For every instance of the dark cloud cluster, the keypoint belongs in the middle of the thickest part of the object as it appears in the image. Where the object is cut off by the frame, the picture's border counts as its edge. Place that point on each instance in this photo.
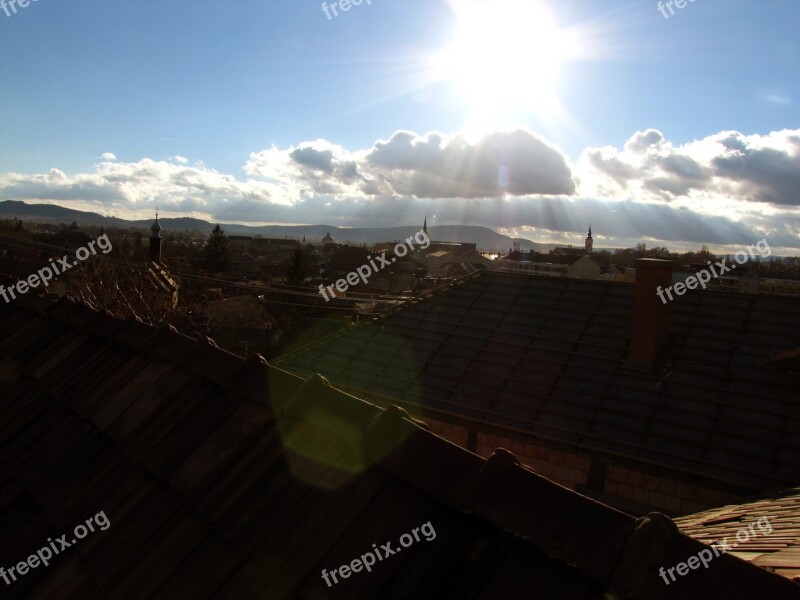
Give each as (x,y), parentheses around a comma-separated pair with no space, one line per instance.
(749,168)
(407,165)
(616,223)
(515,163)
(765,174)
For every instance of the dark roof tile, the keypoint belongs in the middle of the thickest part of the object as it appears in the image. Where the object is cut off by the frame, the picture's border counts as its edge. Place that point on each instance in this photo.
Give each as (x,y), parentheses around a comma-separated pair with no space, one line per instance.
(225,478)
(568,339)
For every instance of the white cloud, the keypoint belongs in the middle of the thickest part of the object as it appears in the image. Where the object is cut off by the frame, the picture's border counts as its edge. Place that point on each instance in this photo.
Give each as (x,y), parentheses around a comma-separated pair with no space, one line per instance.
(779,99)
(108,156)
(728,188)
(129,187)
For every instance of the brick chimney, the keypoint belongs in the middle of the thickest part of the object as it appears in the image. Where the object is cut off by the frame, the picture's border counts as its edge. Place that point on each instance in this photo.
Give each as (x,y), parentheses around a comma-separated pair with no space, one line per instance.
(649,329)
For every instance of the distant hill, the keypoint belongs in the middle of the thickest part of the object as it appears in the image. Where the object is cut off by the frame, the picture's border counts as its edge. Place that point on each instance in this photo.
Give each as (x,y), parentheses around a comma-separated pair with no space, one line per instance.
(46,213)
(485,238)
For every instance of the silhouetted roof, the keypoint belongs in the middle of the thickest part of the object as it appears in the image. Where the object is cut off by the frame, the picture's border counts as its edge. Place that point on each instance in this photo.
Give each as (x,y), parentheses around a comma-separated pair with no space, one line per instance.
(230,479)
(547,358)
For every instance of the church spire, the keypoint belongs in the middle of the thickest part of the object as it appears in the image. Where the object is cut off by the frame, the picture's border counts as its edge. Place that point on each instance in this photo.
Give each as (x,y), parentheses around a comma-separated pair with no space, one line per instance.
(425,225)
(155,241)
(589,243)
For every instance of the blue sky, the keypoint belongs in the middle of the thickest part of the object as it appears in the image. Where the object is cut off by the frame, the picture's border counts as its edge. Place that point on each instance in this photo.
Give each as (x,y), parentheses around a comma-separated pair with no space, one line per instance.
(675,131)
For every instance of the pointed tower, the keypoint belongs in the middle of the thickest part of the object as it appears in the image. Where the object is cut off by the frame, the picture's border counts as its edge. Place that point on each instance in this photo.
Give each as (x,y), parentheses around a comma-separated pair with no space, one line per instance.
(425,225)
(589,242)
(155,241)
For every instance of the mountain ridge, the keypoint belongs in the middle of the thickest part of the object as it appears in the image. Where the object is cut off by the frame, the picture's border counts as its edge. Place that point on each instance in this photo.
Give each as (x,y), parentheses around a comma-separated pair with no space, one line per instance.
(484,237)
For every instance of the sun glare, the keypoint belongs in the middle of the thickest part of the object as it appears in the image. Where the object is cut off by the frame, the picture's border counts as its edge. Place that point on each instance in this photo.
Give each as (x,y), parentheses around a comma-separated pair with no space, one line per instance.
(505,54)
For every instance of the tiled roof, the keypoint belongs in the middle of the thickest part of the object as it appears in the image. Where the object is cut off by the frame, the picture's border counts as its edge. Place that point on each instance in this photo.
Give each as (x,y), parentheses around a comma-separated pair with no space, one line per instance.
(230,479)
(775,545)
(547,357)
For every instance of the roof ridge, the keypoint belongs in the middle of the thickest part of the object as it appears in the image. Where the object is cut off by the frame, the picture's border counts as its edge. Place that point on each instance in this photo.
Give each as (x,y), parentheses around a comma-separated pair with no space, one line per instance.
(314,423)
(164,342)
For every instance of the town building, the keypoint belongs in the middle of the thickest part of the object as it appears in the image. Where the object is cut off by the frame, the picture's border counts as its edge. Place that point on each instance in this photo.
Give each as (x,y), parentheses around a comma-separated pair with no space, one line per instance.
(761,278)
(563,261)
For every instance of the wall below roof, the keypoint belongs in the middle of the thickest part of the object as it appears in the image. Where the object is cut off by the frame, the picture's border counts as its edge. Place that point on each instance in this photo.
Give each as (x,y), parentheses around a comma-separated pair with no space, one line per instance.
(664,495)
(630,490)
(456,434)
(565,468)
(634,491)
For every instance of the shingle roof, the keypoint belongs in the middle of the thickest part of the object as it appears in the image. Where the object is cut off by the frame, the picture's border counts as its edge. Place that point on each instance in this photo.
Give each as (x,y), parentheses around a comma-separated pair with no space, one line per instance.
(230,479)
(774,545)
(546,357)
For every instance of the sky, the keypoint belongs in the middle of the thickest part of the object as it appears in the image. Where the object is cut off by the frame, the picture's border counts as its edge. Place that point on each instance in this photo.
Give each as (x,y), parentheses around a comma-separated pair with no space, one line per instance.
(673,124)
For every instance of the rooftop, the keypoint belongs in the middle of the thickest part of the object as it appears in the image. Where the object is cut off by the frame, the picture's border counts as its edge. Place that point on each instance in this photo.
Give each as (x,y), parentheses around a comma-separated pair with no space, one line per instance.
(227,478)
(547,358)
(776,545)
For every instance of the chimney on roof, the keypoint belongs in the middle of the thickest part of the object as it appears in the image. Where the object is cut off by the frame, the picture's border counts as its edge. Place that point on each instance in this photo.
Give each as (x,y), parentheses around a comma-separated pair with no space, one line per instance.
(649,329)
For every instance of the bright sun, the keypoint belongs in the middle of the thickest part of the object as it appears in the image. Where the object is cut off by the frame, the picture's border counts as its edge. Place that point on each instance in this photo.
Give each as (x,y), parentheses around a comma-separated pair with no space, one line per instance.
(505,54)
